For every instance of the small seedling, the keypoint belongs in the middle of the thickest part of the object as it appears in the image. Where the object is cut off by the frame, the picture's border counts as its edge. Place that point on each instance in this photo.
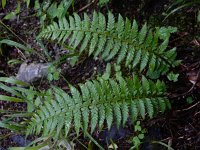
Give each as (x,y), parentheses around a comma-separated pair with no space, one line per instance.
(137,140)
(173,77)
(53,73)
(189,100)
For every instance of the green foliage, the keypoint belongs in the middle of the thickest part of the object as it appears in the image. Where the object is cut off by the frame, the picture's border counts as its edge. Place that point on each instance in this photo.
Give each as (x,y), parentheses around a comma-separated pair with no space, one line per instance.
(98,101)
(47,9)
(51,9)
(189,100)
(20,92)
(15,44)
(103,2)
(16,96)
(140,136)
(121,39)
(47,144)
(173,77)
(53,73)
(168,146)
(13,14)
(14,62)
(26,49)
(107,73)
(198,17)
(3,3)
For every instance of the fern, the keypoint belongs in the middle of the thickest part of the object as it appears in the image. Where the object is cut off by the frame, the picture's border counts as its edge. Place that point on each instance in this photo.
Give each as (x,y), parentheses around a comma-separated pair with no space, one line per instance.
(48,10)
(119,39)
(98,101)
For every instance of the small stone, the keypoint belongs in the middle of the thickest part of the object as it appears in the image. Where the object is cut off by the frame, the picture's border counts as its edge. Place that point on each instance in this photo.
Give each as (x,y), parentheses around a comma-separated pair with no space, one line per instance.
(32,72)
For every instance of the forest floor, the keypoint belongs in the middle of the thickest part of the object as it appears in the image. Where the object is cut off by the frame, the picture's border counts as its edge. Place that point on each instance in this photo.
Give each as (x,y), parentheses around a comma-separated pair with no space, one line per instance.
(180,126)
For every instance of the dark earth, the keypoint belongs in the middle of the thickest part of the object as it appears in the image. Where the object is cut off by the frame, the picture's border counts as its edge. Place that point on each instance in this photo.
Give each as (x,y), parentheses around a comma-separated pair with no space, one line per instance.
(180,126)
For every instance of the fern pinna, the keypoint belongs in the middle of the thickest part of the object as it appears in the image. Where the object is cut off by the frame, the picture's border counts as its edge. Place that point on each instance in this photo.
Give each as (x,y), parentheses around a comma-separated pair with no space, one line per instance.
(98,101)
(121,39)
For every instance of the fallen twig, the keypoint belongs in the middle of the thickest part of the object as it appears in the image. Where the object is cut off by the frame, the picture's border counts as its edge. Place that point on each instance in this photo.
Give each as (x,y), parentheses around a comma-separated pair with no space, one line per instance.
(188,107)
(86,6)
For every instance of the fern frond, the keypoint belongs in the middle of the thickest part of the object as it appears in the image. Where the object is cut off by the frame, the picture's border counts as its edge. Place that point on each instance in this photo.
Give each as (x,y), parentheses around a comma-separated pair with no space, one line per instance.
(97,102)
(110,38)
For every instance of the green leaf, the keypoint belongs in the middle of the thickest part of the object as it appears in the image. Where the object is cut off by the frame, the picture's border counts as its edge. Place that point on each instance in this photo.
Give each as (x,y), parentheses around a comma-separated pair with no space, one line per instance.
(102,3)
(125,112)
(56,75)
(189,100)
(117,113)
(173,77)
(141,108)
(163,144)
(10,126)
(13,81)
(27,3)
(17,10)
(52,10)
(50,77)
(142,33)
(149,107)
(137,58)
(134,111)
(10,15)
(109,115)
(137,128)
(14,62)
(144,61)
(77,120)
(153,75)
(10,99)
(3,3)
(198,17)
(107,73)
(164,33)
(136,141)
(141,136)
(13,43)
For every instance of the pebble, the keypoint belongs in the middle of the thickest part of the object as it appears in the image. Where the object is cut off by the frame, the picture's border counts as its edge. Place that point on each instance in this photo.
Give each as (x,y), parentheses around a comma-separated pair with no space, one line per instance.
(32,72)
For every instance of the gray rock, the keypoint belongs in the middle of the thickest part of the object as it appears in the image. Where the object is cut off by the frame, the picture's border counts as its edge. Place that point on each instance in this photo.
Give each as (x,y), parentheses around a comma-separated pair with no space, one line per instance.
(31,73)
